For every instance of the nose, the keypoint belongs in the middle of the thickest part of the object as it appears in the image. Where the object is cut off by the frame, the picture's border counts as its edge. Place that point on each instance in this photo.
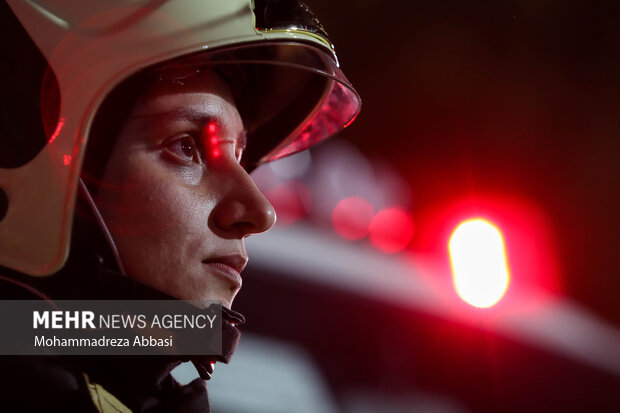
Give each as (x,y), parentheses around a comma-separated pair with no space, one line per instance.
(242,209)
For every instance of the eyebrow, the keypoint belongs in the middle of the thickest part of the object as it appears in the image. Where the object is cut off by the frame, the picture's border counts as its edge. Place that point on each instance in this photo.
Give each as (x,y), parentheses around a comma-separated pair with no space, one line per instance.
(196,117)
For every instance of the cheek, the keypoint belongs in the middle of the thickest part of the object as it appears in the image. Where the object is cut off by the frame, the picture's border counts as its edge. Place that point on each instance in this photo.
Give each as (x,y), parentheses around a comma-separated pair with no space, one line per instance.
(160,225)
(153,200)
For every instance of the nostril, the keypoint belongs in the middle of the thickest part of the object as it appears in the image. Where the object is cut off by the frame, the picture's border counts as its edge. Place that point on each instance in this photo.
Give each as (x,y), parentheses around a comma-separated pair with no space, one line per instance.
(242,209)
(242,217)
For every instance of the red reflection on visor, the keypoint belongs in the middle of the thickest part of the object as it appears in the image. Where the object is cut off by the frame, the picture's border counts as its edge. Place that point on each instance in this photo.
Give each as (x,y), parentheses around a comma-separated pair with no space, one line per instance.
(338,110)
(59,126)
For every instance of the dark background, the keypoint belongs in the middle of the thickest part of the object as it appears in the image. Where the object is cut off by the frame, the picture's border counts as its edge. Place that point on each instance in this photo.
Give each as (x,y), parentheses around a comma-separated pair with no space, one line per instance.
(507,110)
(510,99)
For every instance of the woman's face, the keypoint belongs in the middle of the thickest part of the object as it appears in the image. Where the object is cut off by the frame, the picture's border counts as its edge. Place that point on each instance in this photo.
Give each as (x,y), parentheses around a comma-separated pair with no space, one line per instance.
(174,196)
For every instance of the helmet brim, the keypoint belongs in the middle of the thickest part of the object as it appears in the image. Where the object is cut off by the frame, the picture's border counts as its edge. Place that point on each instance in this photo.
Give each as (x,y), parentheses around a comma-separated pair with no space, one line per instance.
(290,95)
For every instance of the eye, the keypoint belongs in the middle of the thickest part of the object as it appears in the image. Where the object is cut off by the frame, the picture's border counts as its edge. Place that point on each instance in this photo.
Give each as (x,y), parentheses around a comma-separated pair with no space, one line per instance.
(184,147)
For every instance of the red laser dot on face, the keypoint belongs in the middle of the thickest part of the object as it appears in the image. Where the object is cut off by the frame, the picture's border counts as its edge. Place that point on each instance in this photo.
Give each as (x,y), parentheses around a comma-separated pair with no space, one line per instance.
(351,217)
(479,265)
(391,230)
(213,141)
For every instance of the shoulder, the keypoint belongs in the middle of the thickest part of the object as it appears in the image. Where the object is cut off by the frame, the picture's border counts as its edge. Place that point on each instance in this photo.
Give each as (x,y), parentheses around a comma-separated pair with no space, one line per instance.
(43,383)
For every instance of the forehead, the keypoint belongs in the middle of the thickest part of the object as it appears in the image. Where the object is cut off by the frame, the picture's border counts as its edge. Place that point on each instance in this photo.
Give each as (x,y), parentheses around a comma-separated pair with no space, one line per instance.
(203,94)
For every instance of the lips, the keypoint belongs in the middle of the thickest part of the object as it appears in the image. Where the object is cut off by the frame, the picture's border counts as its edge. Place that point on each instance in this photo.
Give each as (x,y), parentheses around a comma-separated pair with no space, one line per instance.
(228,267)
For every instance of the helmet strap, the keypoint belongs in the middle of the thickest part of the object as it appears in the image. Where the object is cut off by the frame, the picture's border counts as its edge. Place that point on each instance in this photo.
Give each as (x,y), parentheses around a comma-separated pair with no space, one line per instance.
(102,225)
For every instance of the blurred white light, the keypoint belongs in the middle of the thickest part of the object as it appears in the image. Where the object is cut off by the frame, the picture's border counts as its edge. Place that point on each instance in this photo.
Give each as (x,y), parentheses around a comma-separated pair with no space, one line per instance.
(479,267)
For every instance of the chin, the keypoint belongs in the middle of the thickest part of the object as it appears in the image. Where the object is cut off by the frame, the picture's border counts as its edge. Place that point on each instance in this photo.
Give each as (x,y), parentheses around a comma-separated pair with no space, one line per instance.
(217,299)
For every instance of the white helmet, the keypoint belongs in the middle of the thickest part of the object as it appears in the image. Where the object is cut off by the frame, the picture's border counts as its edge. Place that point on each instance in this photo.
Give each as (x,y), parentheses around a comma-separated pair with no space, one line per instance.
(78,51)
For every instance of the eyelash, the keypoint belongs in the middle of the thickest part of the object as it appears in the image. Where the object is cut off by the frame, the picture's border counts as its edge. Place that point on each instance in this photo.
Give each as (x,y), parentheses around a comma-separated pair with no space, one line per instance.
(180,144)
(177,146)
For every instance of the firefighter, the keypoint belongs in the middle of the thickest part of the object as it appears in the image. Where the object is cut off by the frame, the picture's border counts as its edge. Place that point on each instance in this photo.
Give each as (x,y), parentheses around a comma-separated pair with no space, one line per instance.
(129,129)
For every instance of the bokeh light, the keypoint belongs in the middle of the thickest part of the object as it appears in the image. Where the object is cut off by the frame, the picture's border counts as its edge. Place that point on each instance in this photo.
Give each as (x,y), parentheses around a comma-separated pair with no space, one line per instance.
(351,217)
(391,230)
(479,265)
(291,200)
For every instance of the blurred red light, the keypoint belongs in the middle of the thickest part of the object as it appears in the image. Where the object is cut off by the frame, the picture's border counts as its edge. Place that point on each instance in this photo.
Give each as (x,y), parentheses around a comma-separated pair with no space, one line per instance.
(526,230)
(479,265)
(391,230)
(351,217)
(291,201)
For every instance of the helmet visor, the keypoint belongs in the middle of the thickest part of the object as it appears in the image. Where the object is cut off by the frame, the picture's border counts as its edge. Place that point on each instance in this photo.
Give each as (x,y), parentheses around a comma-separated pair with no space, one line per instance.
(290,95)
